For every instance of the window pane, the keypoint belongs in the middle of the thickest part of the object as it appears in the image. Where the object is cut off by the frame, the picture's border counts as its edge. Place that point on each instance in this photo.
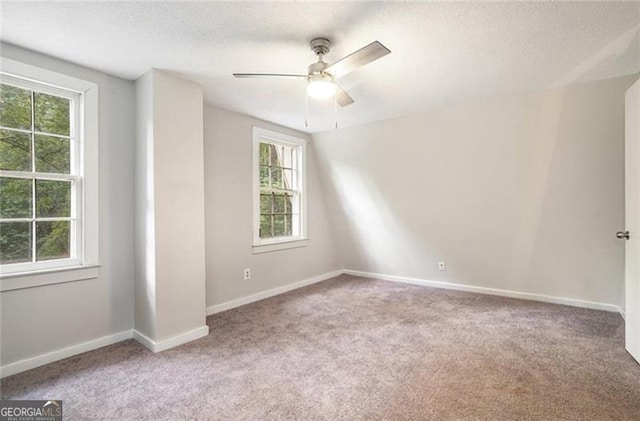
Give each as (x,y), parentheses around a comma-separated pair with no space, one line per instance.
(264,154)
(276,178)
(266,224)
(15,242)
(288,223)
(278,225)
(288,204)
(265,203)
(52,240)
(52,154)
(51,114)
(264,176)
(278,203)
(280,153)
(273,155)
(288,179)
(53,198)
(15,107)
(15,198)
(15,151)
(287,158)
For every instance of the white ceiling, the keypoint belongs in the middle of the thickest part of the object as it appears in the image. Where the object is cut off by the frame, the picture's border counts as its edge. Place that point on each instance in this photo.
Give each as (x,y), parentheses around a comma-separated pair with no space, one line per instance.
(442,53)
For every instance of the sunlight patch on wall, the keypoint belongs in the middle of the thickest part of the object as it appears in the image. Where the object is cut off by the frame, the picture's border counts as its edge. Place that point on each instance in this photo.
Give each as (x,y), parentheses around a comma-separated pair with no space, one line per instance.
(381,243)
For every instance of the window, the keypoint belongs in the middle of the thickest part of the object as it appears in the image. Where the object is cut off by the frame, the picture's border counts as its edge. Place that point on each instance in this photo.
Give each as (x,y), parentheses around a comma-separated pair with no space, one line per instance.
(44,191)
(279,189)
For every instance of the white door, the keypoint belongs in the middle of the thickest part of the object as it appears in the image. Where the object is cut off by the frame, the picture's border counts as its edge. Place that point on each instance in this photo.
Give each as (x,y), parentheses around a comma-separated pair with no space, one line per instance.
(632,217)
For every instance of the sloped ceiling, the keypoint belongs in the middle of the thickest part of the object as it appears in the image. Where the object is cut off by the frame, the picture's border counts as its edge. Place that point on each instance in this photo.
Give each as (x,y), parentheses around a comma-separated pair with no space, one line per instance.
(442,53)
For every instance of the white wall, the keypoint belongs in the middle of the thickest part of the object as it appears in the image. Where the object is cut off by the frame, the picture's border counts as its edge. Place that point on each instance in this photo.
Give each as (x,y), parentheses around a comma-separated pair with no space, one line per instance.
(43,319)
(522,193)
(170,245)
(228,209)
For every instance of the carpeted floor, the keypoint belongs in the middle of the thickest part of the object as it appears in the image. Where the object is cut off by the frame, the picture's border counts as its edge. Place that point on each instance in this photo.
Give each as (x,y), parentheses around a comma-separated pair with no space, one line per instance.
(354,348)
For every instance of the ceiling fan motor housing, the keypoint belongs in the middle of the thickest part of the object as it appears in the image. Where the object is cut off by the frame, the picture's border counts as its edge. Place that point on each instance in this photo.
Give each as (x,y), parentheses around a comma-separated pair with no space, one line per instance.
(320,46)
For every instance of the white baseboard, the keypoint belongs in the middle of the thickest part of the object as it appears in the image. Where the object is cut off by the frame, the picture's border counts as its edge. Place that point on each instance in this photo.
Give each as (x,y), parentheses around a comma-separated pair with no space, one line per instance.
(33,362)
(60,354)
(271,292)
(183,338)
(623,313)
(491,291)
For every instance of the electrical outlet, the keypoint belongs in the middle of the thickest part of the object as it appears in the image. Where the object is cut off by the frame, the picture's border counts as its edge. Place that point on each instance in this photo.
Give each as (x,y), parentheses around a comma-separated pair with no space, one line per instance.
(442,266)
(247,274)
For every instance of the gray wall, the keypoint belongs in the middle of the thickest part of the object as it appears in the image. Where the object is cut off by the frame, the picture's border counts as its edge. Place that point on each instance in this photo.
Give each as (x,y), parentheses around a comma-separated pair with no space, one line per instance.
(43,319)
(523,193)
(228,215)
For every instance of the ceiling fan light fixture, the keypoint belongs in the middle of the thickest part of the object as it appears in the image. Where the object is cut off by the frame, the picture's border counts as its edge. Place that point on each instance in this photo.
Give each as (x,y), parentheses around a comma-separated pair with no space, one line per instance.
(321,86)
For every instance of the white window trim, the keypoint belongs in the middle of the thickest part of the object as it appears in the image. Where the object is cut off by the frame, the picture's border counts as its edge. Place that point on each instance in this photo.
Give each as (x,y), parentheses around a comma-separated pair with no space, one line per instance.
(25,276)
(280,243)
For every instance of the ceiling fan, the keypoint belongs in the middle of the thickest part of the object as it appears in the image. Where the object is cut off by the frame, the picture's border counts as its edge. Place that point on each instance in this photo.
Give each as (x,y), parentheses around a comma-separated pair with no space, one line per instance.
(322,77)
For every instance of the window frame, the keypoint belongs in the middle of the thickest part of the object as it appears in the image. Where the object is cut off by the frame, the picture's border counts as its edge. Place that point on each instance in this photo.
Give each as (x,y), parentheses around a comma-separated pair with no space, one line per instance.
(74,177)
(277,243)
(83,172)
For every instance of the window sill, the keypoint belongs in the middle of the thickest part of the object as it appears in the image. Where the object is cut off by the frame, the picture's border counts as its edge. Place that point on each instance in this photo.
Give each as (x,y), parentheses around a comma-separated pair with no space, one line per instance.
(13,281)
(284,245)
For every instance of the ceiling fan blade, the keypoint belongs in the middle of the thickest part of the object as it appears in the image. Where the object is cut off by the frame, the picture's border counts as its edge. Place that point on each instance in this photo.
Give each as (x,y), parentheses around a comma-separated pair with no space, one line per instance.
(342,97)
(241,75)
(363,56)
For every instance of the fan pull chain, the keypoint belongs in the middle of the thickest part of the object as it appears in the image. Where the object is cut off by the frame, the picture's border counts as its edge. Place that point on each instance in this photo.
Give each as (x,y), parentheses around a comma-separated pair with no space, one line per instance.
(306,109)
(335,107)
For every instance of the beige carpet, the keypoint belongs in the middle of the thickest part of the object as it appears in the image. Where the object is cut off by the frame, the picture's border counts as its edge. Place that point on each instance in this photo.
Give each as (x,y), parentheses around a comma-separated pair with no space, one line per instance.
(352,348)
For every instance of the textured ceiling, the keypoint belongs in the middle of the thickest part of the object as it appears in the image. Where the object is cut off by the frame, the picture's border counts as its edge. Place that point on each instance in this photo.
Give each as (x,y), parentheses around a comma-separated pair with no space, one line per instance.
(442,53)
